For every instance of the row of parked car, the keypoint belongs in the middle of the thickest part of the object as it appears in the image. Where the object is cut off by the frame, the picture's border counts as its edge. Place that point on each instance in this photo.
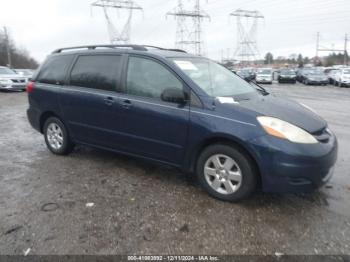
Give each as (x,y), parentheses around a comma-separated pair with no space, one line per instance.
(335,76)
(14,79)
(307,76)
(266,75)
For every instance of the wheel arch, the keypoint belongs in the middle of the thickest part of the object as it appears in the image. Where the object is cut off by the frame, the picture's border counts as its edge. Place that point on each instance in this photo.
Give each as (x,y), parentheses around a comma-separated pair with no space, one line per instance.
(222,139)
(46,115)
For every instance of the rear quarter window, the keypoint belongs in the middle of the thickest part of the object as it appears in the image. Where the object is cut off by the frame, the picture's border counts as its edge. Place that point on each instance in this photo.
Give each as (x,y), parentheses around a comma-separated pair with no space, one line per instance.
(54,70)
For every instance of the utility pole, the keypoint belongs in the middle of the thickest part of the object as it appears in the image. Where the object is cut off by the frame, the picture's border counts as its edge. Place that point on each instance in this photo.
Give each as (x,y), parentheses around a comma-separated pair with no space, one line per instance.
(189,35)
(122,36)
(8,50)
(247,45)
(346,50)
(317,44)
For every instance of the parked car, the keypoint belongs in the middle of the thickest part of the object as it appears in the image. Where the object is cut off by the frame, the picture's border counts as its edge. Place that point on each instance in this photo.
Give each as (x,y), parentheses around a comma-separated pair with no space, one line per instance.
(315,78)
(245,75)
(342,77)
(28,73)
(287,76)
(182,110)
(331,76)
(303,72)
(264,76)
(251,71)
(10,80)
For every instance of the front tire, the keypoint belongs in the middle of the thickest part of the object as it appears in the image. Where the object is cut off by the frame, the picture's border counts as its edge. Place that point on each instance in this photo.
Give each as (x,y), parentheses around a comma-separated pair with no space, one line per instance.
(226,172)
(56,137)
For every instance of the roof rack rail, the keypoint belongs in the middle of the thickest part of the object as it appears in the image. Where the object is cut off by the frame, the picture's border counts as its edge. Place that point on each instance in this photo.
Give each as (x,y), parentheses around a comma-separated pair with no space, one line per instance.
(134,47)
(177,50)
(93,47)
(166,49)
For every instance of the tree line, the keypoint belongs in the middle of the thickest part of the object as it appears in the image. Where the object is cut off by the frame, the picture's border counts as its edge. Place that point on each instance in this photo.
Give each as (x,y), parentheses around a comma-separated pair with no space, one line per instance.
(19,57)
(330,60)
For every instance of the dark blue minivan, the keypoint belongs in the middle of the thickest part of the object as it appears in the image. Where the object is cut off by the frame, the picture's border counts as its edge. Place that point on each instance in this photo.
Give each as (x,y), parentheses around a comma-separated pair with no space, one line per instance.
(181,110)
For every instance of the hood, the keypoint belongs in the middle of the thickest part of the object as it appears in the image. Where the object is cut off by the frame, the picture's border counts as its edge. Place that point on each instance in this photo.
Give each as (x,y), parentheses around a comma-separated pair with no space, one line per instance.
(282,108)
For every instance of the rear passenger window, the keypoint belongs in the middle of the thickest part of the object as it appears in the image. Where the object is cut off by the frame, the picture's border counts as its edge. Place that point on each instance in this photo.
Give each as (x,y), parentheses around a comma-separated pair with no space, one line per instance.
(97,71)
(54,70)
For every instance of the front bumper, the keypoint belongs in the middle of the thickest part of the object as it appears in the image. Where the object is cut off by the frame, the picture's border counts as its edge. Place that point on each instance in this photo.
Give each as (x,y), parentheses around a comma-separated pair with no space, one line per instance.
(287,80)
(345,82)
(13,87)
(288,167)
(318,82)
(263,81)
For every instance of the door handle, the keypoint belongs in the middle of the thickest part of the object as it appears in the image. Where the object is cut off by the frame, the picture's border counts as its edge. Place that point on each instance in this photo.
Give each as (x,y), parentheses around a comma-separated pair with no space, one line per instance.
(126,104)
(109,101)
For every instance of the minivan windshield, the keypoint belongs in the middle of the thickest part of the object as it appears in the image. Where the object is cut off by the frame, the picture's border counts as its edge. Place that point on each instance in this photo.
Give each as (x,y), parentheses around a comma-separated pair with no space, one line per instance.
(212,78)
(346,71)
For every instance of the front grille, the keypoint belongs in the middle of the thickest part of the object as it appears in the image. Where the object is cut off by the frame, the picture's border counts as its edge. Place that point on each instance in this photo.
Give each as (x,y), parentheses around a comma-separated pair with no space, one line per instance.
(18,80)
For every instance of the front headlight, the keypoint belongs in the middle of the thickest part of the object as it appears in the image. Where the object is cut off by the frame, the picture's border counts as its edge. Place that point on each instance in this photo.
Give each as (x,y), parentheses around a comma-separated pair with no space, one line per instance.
(282,129)
(5,81)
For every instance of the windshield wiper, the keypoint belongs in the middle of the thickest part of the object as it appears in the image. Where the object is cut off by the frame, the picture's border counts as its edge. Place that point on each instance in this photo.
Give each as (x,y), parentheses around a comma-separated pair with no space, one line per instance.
(262,90)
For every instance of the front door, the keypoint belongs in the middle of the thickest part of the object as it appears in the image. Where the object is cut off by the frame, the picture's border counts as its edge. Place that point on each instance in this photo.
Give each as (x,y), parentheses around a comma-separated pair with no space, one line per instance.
(151,127)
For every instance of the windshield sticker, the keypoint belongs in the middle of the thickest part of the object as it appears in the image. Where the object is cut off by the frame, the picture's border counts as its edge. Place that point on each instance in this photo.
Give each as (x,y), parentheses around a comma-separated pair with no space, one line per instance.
(227,100)
(186,65)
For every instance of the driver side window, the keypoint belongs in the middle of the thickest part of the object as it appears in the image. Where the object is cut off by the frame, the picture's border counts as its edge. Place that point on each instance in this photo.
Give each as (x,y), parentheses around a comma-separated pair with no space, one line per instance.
(147,78)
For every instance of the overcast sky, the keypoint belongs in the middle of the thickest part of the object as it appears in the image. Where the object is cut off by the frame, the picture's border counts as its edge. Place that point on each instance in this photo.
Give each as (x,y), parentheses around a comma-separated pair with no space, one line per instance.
(289,26)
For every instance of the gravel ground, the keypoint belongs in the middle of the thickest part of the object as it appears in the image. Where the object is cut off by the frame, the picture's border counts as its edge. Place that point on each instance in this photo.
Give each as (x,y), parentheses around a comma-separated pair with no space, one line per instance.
(96,202)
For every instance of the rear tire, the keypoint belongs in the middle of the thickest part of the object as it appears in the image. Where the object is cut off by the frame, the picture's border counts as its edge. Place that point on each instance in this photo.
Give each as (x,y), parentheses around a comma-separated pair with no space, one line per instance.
(226,172)
(56,137)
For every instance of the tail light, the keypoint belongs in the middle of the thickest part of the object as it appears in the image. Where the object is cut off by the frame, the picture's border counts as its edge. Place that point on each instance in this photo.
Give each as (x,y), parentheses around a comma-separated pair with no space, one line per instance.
(30,87)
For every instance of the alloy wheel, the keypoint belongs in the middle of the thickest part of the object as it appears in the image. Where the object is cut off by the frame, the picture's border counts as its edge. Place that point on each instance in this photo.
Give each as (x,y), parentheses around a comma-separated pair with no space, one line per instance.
(55,136)
(223,174)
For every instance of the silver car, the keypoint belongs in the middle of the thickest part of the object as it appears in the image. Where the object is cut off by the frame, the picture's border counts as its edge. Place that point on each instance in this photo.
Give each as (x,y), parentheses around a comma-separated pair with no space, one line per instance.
(10,80)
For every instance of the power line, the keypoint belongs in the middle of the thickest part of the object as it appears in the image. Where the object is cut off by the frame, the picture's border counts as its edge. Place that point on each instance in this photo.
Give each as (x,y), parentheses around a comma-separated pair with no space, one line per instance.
(320,48)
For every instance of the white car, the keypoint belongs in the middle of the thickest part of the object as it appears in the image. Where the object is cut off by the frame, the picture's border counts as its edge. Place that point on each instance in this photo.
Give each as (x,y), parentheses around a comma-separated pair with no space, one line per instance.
(331,75)
(10,80)
(342,77)
(264,76)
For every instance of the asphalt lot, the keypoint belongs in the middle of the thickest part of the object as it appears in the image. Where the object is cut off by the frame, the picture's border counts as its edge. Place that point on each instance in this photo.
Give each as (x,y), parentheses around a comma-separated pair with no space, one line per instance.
(140,208)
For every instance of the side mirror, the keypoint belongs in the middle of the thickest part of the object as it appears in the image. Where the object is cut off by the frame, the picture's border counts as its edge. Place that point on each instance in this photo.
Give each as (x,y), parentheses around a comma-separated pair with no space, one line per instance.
(174,95)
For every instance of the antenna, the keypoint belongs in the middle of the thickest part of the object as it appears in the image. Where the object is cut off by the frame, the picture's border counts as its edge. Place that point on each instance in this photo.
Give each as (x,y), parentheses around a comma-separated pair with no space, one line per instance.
(116,37)
(247,27)
(189,35)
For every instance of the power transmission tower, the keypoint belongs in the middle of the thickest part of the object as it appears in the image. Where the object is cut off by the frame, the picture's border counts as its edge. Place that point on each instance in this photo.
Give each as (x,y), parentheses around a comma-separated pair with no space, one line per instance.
(189,35)
(116,36)
(247,30)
